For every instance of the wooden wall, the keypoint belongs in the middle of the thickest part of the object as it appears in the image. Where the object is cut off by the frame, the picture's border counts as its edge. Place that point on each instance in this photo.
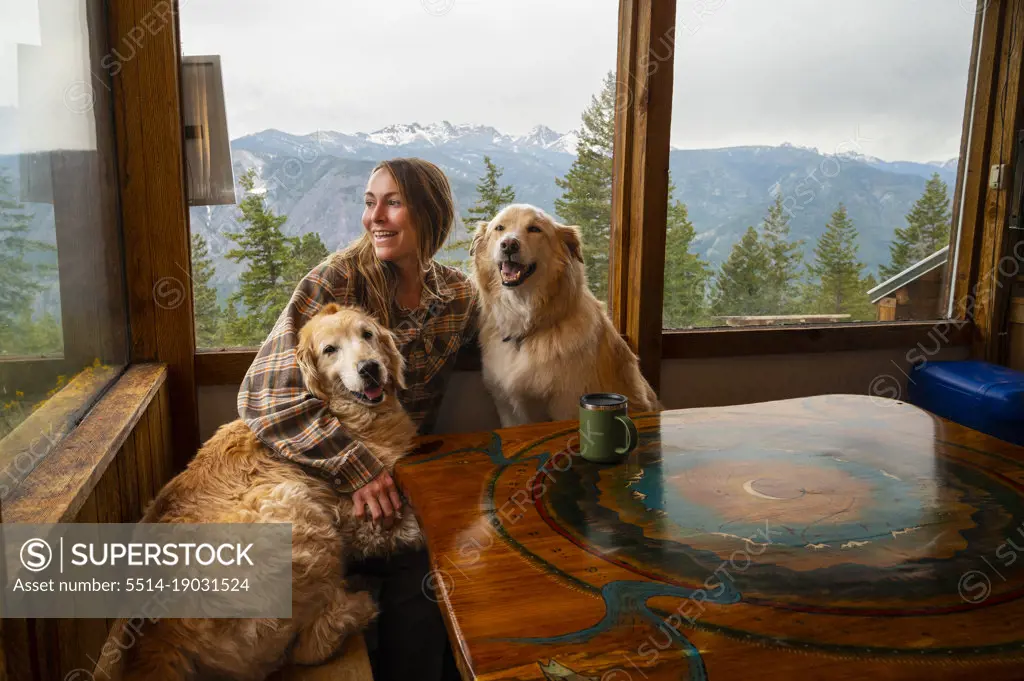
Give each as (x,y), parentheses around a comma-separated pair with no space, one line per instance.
(1016,319)
(50,649)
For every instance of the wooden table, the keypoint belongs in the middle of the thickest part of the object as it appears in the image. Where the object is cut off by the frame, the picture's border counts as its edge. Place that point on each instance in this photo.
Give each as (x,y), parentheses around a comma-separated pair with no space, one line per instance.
(839,537)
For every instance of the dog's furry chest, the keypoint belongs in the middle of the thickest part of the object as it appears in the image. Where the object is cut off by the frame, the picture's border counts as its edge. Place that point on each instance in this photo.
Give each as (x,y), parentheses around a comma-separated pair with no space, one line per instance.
(508,363)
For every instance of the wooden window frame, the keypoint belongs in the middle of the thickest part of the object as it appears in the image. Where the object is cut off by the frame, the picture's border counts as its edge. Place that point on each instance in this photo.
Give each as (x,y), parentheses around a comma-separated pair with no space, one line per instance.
(135,63)
(640,199)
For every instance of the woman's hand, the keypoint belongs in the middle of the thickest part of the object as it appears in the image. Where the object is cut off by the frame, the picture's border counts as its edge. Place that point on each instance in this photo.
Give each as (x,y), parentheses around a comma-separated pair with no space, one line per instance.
(381,495)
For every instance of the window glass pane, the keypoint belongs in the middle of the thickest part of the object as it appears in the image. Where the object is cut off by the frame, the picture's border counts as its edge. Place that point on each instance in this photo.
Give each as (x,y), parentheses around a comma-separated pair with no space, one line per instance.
(814,157)
(63,333)
(510,104)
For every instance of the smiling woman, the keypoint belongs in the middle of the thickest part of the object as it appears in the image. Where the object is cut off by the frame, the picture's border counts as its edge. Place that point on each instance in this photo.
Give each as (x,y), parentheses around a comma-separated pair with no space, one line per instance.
(431,309)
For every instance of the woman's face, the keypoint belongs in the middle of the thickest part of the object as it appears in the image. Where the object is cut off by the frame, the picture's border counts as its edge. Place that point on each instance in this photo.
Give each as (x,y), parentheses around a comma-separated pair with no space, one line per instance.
(386,218)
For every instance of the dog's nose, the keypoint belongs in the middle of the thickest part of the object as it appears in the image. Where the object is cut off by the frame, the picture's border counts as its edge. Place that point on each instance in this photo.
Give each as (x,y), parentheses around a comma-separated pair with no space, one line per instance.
(509,246)
(369,369)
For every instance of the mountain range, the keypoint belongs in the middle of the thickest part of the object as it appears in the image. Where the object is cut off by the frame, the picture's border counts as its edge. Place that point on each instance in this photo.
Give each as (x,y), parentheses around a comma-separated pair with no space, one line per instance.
(317,180)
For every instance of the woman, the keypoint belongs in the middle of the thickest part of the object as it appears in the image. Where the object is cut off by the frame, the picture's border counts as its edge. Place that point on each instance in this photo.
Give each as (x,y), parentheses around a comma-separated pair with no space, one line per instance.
(432,309)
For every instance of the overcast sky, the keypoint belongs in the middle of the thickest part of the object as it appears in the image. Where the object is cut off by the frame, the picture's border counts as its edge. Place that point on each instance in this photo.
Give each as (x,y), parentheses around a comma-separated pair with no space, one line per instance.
(884,77)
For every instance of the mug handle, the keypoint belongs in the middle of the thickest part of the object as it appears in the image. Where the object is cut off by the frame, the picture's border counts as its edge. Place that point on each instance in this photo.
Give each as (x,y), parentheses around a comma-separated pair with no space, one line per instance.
(632,437)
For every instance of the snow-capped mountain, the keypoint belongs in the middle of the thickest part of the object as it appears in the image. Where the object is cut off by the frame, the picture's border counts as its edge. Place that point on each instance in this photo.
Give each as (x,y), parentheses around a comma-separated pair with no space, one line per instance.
(951,164)
(412,136)
(317,180)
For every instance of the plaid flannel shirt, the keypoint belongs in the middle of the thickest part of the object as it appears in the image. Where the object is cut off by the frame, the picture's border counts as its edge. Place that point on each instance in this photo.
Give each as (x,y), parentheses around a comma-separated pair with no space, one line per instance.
(275,404)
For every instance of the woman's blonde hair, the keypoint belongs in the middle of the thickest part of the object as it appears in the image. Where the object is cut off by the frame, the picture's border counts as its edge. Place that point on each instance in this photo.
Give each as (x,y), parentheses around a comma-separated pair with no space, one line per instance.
(428,198)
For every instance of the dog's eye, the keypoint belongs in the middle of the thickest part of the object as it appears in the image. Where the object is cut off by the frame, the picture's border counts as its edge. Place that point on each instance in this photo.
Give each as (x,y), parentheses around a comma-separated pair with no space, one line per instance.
(367,334)
(533,228)
(499,228)
(330,350)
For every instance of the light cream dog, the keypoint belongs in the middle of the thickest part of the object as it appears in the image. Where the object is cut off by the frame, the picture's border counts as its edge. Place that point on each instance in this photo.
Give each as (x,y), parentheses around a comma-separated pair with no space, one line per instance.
(351,363)
(544,337)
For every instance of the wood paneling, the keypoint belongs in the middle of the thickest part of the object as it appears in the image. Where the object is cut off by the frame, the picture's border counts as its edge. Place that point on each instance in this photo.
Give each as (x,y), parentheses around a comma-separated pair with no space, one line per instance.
(154,217)
(104,471)
(1016,322)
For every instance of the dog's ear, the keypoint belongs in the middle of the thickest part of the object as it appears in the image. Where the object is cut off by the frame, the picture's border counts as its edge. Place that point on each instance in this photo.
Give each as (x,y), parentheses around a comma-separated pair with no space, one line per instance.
(571,238)
(481,229)
(396,363)
(305,355)
(329,308)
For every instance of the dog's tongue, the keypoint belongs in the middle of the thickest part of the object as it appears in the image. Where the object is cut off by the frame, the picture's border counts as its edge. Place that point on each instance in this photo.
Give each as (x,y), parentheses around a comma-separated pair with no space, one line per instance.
(373,392)
(509,267)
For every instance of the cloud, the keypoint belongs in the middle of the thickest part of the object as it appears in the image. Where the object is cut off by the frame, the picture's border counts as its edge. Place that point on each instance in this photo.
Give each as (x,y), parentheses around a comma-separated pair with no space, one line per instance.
(746,72)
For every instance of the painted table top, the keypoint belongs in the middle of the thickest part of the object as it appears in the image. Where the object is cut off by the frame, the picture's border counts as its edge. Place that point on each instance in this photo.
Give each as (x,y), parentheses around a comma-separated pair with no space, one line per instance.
(834,537)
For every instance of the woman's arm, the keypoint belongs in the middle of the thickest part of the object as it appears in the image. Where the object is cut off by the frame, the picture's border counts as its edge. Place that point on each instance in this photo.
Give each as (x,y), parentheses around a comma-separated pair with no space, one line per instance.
(274,402)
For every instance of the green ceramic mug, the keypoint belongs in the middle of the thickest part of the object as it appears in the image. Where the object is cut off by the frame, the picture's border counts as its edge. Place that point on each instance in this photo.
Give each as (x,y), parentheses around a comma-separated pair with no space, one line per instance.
(607,434)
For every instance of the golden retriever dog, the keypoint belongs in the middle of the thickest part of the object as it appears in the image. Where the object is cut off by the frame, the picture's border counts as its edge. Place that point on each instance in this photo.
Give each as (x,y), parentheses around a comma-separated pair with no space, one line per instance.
(545,339)
(349,361)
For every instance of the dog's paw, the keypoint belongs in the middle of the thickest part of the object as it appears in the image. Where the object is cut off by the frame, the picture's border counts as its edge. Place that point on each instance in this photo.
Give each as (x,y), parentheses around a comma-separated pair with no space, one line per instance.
(361,609)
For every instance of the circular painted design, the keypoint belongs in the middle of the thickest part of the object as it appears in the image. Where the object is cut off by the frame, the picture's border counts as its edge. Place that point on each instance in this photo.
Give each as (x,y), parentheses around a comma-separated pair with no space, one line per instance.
(813,519)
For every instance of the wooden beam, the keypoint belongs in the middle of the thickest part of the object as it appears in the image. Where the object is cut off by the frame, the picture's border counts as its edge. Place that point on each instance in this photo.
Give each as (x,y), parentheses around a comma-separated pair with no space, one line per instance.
(622,159)
(992,287)
(154,216)
(640,189)
(972,172)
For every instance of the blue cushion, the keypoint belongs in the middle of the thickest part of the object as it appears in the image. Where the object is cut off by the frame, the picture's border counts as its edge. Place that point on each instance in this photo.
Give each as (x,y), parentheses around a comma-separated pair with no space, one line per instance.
(986,397)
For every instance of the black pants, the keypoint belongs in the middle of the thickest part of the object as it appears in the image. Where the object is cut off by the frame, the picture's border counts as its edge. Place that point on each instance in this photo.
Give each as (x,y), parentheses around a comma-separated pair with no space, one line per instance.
(408,640)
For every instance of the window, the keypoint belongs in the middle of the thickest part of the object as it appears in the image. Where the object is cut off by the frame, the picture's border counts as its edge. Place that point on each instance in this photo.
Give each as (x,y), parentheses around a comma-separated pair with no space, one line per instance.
(511,108)
(814,157)
(63,329)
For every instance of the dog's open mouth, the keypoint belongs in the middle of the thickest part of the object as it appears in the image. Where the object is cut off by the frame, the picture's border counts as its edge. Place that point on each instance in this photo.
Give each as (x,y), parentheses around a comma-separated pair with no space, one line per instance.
(371,395)
(514,273)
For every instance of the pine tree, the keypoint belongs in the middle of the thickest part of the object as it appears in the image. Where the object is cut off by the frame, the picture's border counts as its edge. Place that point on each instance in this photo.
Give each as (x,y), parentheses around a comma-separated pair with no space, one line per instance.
(686,274)
(265,287)
(586,198)
(837,286)
(927,230)
(207,310)
(308,251)
(739,287)
(781,294)
(863,310)
(22,269)
(491,197)
(233,329)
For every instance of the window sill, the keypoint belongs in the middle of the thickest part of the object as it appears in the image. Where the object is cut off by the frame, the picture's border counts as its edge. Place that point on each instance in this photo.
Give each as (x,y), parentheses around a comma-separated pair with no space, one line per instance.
(62,481)
(741,342)
(35,438)
(228,367)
